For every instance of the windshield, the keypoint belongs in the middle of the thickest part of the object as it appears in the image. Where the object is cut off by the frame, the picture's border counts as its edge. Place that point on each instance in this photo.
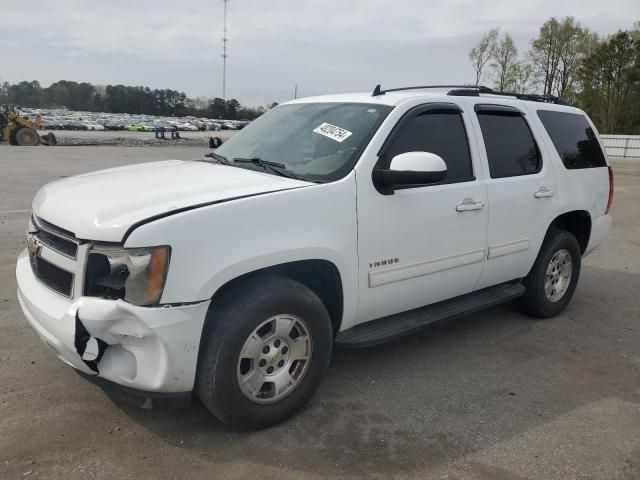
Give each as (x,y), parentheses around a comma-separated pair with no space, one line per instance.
(313,141)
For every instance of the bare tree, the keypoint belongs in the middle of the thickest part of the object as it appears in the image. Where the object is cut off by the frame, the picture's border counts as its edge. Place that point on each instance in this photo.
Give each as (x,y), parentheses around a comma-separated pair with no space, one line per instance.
(505,55)
(482,52)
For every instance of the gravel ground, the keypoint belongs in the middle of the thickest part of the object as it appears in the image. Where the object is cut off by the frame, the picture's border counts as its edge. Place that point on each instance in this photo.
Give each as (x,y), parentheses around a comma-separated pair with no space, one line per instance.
(495,395)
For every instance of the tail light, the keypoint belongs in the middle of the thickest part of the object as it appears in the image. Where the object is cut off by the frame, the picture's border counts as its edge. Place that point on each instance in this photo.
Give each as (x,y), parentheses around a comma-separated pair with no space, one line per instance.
(610,201)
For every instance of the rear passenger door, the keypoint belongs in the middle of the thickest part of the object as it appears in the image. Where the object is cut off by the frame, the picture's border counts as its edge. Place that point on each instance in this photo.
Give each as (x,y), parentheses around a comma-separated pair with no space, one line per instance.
(521,189)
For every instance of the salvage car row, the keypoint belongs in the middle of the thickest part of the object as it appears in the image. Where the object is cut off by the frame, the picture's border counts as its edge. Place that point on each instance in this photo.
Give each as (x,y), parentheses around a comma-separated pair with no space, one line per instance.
(61,119)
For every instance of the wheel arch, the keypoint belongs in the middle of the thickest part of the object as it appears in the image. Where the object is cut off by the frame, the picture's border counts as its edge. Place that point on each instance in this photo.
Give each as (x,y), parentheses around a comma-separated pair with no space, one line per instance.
(577,222)
(319,275)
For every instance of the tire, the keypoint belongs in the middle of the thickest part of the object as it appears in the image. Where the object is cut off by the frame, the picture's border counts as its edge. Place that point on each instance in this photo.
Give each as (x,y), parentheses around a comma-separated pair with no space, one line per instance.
(27,137)
(243,320)
(548,290)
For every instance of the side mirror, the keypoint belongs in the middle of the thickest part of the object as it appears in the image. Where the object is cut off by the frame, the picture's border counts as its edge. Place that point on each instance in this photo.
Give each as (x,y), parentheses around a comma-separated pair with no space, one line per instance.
(413,169)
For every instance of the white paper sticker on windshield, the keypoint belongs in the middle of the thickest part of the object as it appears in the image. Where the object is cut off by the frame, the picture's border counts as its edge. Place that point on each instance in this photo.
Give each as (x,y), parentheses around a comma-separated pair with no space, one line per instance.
(336,133)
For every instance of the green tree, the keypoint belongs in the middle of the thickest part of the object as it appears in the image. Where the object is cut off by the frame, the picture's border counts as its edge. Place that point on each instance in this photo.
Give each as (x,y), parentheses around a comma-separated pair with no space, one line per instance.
(232,107)
(519,77)
(217,108)
(26,94)
(610,84)
(556,54)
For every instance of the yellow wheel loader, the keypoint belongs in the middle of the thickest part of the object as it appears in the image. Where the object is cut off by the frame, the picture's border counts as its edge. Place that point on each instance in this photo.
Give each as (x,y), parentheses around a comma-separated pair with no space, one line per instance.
(18,130)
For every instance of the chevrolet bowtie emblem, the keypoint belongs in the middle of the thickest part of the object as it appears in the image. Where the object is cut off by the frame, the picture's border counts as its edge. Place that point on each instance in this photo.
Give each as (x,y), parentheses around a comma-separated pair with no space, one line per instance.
(33,246)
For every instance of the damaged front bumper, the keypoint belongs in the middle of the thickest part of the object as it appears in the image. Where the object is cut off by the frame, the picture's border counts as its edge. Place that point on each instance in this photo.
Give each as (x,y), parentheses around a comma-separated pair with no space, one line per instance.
(141,348)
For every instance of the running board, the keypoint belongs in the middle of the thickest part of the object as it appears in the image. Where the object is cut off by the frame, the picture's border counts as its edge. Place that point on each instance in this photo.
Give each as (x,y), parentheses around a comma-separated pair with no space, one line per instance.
(395,326)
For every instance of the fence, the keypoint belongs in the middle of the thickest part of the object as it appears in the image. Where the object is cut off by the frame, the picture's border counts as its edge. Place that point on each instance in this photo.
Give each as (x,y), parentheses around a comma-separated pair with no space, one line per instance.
(627,146)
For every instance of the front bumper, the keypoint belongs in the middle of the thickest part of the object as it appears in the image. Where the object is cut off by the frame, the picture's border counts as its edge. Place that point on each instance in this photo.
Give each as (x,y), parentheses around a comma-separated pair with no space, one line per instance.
(148,349)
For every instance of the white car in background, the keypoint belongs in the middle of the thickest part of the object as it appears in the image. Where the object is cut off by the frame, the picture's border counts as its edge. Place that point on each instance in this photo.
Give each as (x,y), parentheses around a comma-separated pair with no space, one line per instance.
(348,219)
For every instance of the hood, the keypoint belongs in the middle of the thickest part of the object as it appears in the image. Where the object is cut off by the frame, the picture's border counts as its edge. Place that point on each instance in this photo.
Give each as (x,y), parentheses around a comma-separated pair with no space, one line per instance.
(103,205)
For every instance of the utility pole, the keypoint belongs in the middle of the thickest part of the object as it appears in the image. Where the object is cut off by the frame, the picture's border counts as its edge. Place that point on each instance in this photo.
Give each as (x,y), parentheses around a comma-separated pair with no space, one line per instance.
(295,91)
(224,53)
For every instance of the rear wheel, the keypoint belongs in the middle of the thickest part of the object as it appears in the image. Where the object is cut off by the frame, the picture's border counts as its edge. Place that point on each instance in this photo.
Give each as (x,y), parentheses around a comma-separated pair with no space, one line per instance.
(554,276)
(265,349)
(26,136)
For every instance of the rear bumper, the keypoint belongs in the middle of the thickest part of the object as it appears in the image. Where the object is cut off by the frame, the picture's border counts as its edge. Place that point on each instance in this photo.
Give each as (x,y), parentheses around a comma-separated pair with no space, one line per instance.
(142,348)
(600,227)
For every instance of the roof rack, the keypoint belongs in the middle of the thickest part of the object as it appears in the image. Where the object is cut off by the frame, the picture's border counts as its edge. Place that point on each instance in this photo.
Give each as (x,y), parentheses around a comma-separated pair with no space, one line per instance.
(378,90)
(475,91)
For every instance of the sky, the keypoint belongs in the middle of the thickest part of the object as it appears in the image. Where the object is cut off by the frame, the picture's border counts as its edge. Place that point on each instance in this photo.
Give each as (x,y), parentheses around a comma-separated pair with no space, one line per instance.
(326,46)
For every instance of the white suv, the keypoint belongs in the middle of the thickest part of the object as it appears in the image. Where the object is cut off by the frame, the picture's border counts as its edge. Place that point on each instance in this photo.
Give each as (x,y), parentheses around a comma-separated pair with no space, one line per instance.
(349,219)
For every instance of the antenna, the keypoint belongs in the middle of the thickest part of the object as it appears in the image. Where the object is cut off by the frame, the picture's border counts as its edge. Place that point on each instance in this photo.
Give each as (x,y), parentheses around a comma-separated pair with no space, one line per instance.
(224,53)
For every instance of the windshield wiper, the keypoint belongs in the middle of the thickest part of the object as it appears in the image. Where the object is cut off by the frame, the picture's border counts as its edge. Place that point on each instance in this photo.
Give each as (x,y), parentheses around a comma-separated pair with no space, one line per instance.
(218,158)
(275,167)
(259,161)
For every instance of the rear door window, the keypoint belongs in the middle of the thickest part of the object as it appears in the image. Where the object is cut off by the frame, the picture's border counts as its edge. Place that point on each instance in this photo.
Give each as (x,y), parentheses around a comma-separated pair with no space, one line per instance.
(574,139)
(511,149)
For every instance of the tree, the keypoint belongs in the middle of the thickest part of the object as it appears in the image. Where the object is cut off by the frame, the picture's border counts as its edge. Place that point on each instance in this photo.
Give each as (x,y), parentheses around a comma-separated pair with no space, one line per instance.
(232,107)
(635,32)
(610,80)
(217,108)
(556,55)
(4,92)
(482,52)
(519,77)
(573,44)
(505,55)
(122,99)
(544,55)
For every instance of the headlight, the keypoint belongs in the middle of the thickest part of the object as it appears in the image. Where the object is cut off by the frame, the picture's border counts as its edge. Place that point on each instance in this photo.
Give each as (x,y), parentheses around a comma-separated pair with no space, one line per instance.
(136,275)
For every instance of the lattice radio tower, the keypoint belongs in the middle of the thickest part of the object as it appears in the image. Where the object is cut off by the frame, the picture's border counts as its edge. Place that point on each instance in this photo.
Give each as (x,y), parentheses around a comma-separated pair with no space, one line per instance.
(224,53)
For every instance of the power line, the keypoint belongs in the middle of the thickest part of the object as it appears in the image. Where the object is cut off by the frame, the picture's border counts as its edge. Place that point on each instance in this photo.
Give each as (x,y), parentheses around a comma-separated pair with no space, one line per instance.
(224,53)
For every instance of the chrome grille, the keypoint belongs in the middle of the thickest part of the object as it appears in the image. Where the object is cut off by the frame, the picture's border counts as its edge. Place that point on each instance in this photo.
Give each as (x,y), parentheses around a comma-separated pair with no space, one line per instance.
(56,238)
(52,276)
(59,244)
(54,254)
(53,228)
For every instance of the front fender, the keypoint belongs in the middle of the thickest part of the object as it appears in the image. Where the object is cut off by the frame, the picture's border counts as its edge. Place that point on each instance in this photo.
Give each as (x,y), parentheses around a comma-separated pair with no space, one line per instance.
(215,244)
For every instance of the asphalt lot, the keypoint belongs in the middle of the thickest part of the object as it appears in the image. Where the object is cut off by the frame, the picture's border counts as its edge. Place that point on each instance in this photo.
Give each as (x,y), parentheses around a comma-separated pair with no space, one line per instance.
(494,395)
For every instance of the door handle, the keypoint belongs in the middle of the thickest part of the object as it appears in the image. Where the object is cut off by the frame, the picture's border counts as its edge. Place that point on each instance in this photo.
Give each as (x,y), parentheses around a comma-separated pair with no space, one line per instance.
(468,205)
(544,192)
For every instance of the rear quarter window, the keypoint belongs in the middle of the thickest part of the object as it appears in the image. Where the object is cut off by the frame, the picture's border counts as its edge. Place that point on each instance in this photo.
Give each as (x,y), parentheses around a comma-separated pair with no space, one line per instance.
(574,139)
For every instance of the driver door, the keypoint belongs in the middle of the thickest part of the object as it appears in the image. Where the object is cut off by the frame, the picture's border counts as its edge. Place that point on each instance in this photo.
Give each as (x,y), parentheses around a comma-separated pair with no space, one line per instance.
(423,244)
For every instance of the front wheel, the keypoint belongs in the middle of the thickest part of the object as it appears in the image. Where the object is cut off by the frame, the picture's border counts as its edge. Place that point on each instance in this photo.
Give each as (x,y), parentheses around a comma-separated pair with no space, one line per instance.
(554,275)
(26,136)
(265,348)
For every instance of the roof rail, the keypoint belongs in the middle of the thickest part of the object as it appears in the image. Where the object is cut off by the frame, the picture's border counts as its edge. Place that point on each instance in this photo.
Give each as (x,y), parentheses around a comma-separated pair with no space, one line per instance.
(532,97)
(378,90)
(475,90)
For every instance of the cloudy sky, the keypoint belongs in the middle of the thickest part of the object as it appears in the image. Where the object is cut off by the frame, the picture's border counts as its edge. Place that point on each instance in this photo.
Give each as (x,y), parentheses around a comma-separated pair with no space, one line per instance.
(322,46)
